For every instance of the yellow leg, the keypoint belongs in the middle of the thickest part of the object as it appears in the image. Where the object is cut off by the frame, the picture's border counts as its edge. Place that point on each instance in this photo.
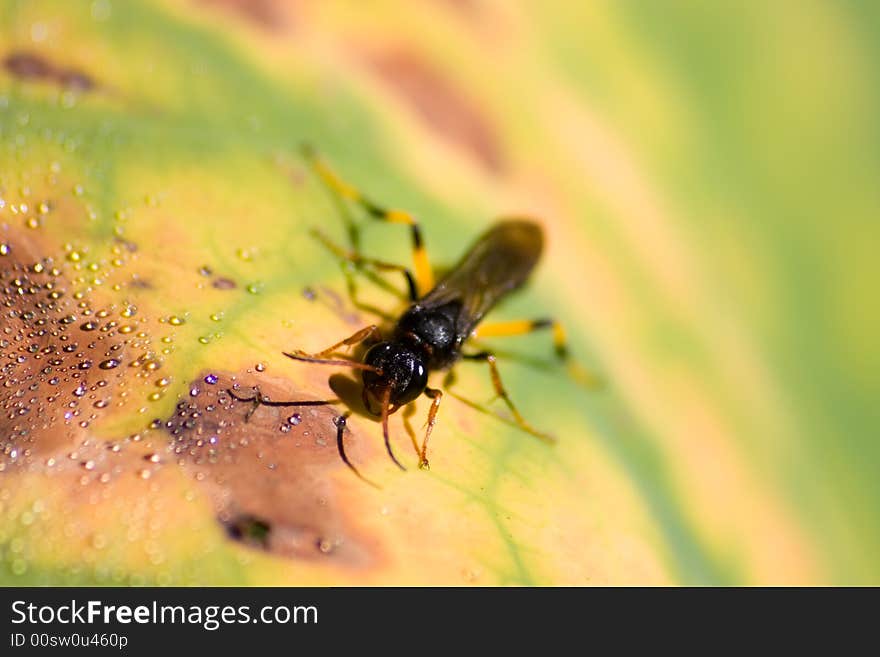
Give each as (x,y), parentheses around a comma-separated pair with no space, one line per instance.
(358,260)
(424,275)
(502,392)
(436,397)
(350,341)
(321,357)
(560,343)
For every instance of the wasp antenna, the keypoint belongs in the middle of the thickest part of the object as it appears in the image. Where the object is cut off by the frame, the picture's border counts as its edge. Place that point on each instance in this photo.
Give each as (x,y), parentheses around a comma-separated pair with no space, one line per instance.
(341,423)
(343,362)
(386,403)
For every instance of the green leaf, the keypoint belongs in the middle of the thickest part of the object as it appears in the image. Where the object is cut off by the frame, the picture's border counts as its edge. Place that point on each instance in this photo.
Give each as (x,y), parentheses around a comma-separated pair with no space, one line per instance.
(706,187)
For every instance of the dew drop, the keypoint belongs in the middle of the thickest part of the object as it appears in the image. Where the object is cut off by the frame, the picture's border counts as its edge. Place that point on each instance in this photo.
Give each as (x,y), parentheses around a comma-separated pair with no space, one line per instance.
(109,364)
(245,254)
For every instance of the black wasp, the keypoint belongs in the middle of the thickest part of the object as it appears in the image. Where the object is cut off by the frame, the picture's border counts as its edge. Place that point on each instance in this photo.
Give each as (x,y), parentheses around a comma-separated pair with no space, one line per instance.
(432,333)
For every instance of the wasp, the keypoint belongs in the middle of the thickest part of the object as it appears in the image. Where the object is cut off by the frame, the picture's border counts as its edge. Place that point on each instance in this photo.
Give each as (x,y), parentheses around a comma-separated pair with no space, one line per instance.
(442,317)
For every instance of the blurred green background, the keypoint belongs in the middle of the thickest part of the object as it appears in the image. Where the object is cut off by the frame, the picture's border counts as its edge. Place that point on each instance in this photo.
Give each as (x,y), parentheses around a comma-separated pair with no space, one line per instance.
(707,174)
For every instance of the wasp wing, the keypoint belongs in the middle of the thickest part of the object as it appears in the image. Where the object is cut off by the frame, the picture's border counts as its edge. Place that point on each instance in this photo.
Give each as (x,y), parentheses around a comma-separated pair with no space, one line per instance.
(497,264)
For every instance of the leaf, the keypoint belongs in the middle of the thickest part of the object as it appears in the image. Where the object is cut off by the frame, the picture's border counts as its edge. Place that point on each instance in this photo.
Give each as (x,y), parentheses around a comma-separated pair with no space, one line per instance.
(156,218)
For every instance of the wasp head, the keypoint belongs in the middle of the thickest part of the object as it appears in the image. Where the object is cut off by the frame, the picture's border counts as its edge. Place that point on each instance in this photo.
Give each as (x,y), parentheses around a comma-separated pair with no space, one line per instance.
(399,374)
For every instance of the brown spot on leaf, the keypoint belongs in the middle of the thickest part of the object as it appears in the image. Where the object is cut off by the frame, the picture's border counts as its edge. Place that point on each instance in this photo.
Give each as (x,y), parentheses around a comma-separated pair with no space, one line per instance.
(30,66)
(223,283)
(248,529)
(443,108)
(467,8)
(270,473)
(27,66)
(60,361)
(269,15)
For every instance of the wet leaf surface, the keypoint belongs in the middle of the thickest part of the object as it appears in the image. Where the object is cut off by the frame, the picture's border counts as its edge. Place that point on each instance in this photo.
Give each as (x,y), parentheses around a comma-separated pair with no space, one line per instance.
(156,233)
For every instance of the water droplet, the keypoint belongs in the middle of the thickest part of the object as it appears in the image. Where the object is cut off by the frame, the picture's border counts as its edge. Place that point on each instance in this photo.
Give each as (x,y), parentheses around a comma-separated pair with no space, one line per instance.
(294,419)
(211,379)
(5,249)
(254,288)
(260,367)
(246,254)
(109,364)
(174,320)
